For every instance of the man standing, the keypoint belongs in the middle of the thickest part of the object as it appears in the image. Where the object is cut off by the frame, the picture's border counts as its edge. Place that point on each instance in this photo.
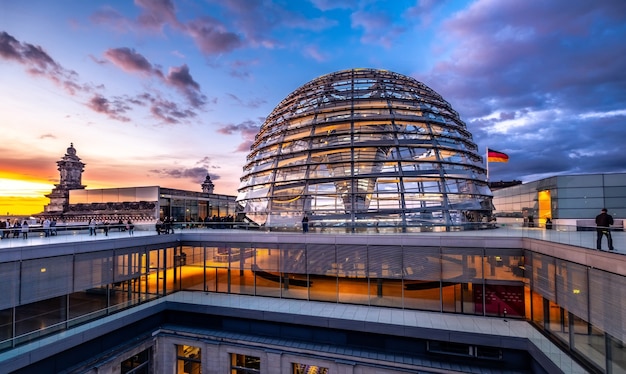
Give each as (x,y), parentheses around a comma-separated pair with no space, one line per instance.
(603,223)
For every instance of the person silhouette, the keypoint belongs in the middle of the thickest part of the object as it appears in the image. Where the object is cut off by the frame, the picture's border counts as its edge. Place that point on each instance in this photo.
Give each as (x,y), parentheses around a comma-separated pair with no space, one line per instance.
(603,223)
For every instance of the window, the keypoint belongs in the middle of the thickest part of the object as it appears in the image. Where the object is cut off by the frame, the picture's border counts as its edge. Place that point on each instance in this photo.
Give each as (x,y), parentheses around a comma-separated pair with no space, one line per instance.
(308,369)
(242,364)
(188,360)
(138,364)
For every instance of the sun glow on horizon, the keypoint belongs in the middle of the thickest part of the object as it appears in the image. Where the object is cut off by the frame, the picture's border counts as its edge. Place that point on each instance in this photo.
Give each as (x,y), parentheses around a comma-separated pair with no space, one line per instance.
(23,188)
(23,197)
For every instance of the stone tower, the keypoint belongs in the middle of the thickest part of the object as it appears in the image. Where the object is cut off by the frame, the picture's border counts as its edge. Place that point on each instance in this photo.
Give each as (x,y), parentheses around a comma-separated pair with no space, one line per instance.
(71,172)
(207,185)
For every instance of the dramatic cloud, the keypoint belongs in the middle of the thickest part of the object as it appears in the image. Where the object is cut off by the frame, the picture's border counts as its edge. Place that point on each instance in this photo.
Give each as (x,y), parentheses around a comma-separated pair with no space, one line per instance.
(522,75)
(196,174)
(248,131)
(156,14)
(212,37)
(115,109)
(130,61)
(39,63)
(180,78)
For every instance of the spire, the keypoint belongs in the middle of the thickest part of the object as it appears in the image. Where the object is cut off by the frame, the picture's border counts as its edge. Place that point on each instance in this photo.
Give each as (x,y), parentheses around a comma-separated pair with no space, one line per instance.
(207,185)
(71,171)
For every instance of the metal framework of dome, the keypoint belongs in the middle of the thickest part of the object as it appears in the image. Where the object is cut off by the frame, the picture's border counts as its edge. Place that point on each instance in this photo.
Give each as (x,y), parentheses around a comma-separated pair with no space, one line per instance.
(364,148)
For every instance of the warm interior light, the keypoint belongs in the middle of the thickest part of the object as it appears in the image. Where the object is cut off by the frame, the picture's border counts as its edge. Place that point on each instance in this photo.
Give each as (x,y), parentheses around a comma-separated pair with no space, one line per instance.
(576,291)
(43,270)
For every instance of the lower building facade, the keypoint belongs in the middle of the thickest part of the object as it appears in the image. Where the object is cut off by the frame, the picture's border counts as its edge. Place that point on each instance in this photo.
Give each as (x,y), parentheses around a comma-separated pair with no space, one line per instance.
(569,201)
(254,302)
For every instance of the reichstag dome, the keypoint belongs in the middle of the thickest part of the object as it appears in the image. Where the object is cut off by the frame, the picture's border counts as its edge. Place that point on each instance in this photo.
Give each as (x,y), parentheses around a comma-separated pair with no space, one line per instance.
(365,149)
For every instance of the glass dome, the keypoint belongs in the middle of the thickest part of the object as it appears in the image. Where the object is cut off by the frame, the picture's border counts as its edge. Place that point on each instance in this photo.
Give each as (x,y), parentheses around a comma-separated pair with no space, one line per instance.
(365,149)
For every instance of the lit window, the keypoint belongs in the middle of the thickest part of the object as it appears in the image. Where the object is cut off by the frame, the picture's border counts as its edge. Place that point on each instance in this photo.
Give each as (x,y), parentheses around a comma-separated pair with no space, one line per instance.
(188,360)
(242,364)
(308,369)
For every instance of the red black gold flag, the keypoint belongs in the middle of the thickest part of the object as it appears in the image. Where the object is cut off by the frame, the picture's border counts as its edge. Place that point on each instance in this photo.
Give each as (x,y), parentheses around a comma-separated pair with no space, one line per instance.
(495,156)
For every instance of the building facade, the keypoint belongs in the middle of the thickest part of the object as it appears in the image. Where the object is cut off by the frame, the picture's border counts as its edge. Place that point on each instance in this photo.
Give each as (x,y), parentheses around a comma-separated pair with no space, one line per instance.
(248,302)
(71,202)
(568,200)
(147,204)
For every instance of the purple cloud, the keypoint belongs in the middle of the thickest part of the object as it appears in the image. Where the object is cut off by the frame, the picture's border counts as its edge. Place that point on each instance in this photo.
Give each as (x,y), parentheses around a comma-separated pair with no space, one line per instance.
(114,109)
(130,61)
(38,62)
(248,131)
(180,78)
(212,37)
(156,14)
(196,174)
(525,75)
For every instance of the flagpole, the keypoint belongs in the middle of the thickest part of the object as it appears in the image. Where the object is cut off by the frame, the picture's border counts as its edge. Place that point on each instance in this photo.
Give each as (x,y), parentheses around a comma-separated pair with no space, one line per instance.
(487,161)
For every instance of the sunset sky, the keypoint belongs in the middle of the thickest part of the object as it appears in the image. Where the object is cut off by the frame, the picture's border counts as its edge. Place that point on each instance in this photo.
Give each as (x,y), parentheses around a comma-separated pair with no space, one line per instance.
(160,92)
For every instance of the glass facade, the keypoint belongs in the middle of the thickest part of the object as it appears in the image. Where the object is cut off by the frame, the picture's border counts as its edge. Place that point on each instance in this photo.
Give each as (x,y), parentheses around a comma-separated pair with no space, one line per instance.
(367,149)
(566,198)
(147,204)
(580,306)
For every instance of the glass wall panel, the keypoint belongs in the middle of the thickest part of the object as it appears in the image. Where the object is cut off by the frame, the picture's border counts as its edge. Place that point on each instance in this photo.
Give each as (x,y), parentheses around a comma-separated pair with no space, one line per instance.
(192,268)
(35,317)
(558,322)
(422,278)
(618,355)
(589,341)
(351,271)
(543,275)
(147,193)
(89,304)
(538,309)
(385,270)
(571,287)
(216,269)
(9,284)
(323,267)
(45,277)
(293,267)
(93,270)
(268,278)
(503,264)
(242,264)
(6,327)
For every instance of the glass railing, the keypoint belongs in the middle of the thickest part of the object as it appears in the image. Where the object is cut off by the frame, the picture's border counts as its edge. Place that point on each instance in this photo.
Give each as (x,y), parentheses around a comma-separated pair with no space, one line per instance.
(566,234)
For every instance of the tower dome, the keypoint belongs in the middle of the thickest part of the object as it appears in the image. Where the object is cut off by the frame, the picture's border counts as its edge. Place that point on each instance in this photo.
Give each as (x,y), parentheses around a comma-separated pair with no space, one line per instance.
(364,148)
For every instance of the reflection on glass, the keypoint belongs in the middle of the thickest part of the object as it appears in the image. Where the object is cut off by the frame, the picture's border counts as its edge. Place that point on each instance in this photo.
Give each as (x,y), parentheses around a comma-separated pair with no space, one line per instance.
(353,148)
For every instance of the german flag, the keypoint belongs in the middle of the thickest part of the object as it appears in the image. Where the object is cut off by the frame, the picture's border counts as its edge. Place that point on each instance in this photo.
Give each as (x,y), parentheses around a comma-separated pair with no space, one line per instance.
(495,156)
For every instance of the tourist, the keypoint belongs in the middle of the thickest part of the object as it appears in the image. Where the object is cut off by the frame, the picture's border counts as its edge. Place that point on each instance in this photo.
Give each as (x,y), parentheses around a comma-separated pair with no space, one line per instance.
(130,227)
(92,227)
(603,223)
(305,224)
(17,228)
(24,230)
(106,227)
(46,227)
